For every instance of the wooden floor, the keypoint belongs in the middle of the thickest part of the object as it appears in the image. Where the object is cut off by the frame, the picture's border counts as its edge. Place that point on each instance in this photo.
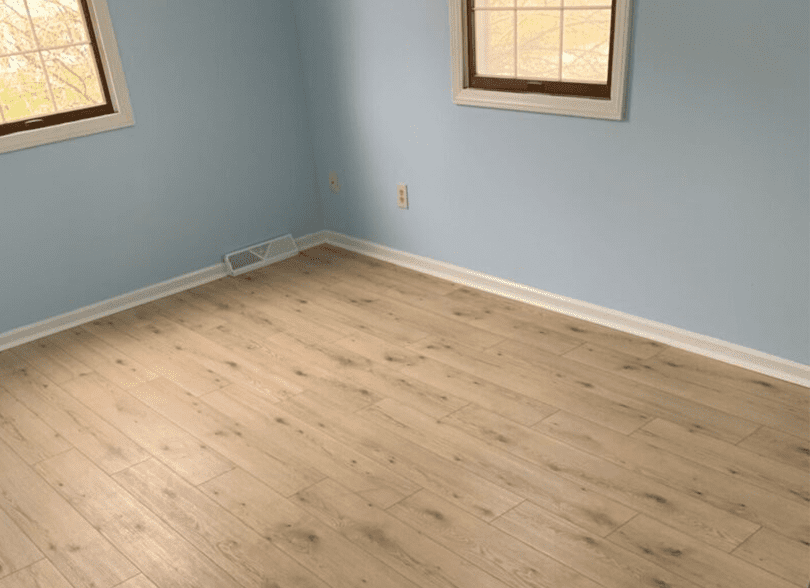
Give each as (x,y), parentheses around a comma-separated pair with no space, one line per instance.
(335,421)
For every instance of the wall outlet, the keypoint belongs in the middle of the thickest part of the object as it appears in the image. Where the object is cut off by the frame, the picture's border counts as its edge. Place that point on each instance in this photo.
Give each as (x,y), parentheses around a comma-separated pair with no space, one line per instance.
(402,196)
(333,182)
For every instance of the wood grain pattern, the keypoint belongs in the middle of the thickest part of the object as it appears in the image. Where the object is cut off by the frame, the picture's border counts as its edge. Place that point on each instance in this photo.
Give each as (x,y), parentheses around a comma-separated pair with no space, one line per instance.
(336,421)
(42,574)
(16,549)
(410,552)
(239,550)
(304,538)
(78,424)
(776,553)
(494,551)
(160,553)
(77,549)
(682,555)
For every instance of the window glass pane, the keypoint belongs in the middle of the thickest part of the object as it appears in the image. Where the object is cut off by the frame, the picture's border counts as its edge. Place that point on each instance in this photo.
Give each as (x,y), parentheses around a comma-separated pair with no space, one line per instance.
(495,42)
(493,3)
(586,45)
(539,3)
(576,3)
(58,22)
(73,77)
(23,89)
(15,28)
(539,44)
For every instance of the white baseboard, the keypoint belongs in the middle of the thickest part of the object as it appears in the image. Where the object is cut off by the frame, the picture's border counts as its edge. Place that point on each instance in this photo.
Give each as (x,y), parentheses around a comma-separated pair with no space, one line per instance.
(99,310)
(731,353)
(707,346)
(104,308)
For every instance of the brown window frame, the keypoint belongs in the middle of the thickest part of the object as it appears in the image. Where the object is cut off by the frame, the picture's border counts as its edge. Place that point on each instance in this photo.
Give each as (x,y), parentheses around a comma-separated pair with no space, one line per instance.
(50,120)
(523,85)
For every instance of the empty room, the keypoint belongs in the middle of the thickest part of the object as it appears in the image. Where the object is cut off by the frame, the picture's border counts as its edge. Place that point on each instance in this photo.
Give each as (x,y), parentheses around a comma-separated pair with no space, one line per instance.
(422,294)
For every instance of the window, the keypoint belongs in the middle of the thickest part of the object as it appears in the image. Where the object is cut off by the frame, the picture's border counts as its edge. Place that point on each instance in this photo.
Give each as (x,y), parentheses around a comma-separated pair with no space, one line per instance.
(554,56)
(60,73)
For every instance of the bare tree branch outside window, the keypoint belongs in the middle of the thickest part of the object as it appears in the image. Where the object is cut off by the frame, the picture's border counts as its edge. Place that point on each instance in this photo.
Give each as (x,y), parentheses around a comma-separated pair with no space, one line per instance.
(47,62)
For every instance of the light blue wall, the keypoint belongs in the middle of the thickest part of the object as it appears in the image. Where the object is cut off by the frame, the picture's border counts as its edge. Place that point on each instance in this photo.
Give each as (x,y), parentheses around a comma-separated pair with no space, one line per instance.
(694,212)
(219,158)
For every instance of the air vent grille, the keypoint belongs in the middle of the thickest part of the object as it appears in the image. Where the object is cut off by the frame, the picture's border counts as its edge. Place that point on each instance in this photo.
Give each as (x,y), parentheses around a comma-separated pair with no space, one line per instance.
(260,255)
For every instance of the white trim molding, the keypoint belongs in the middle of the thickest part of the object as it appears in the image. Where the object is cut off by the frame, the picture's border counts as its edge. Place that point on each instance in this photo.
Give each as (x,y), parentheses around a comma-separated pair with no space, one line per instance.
(612,109)
(114,71)
(104,308)
(730,353)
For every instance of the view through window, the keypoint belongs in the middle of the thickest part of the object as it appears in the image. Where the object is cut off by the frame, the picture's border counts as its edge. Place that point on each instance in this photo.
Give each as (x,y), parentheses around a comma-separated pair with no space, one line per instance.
(563,41)
(50,67)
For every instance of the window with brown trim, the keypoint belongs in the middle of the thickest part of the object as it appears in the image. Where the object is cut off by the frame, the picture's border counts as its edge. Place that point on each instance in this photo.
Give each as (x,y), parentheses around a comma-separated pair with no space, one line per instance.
(560,47)
(536,54)
(54,71)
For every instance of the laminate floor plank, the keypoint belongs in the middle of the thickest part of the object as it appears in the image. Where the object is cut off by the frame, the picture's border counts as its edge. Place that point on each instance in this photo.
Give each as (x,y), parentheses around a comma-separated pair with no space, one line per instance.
(405,549)
(236,548)
(469,491)
(307,321)
(450,380)
(76,548)
(583,330)
(787,481)
(643,397)
(597,558)
(42,574)
(16,549)
(178,449)
(188,372)
(541,385)
(352,311)
(306,539)
(161,553)
(692,367)
(339,366)
(190,376)
(309,445)
(235,440)
(51,360)
(555,493)
(250,321)
(779,446)
(336,256)
(185,309)
(692,559)
(218,359)
(297,267)
(259,310)
(757,409)
(139,581)
(776,553)
(26,433)
(641,493)
(121,370)
(337,421)
(505,323)
(82,428)
(504,557)
(723,490)
(10,361)
(436,324)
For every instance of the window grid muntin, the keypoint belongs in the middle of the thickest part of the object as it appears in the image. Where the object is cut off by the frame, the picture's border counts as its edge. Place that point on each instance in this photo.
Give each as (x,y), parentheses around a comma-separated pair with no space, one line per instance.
(514,83)
(68,114)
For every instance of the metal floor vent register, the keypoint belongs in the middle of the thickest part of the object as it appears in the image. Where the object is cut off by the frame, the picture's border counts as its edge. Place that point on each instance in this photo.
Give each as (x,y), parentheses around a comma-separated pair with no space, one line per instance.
(260,255)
